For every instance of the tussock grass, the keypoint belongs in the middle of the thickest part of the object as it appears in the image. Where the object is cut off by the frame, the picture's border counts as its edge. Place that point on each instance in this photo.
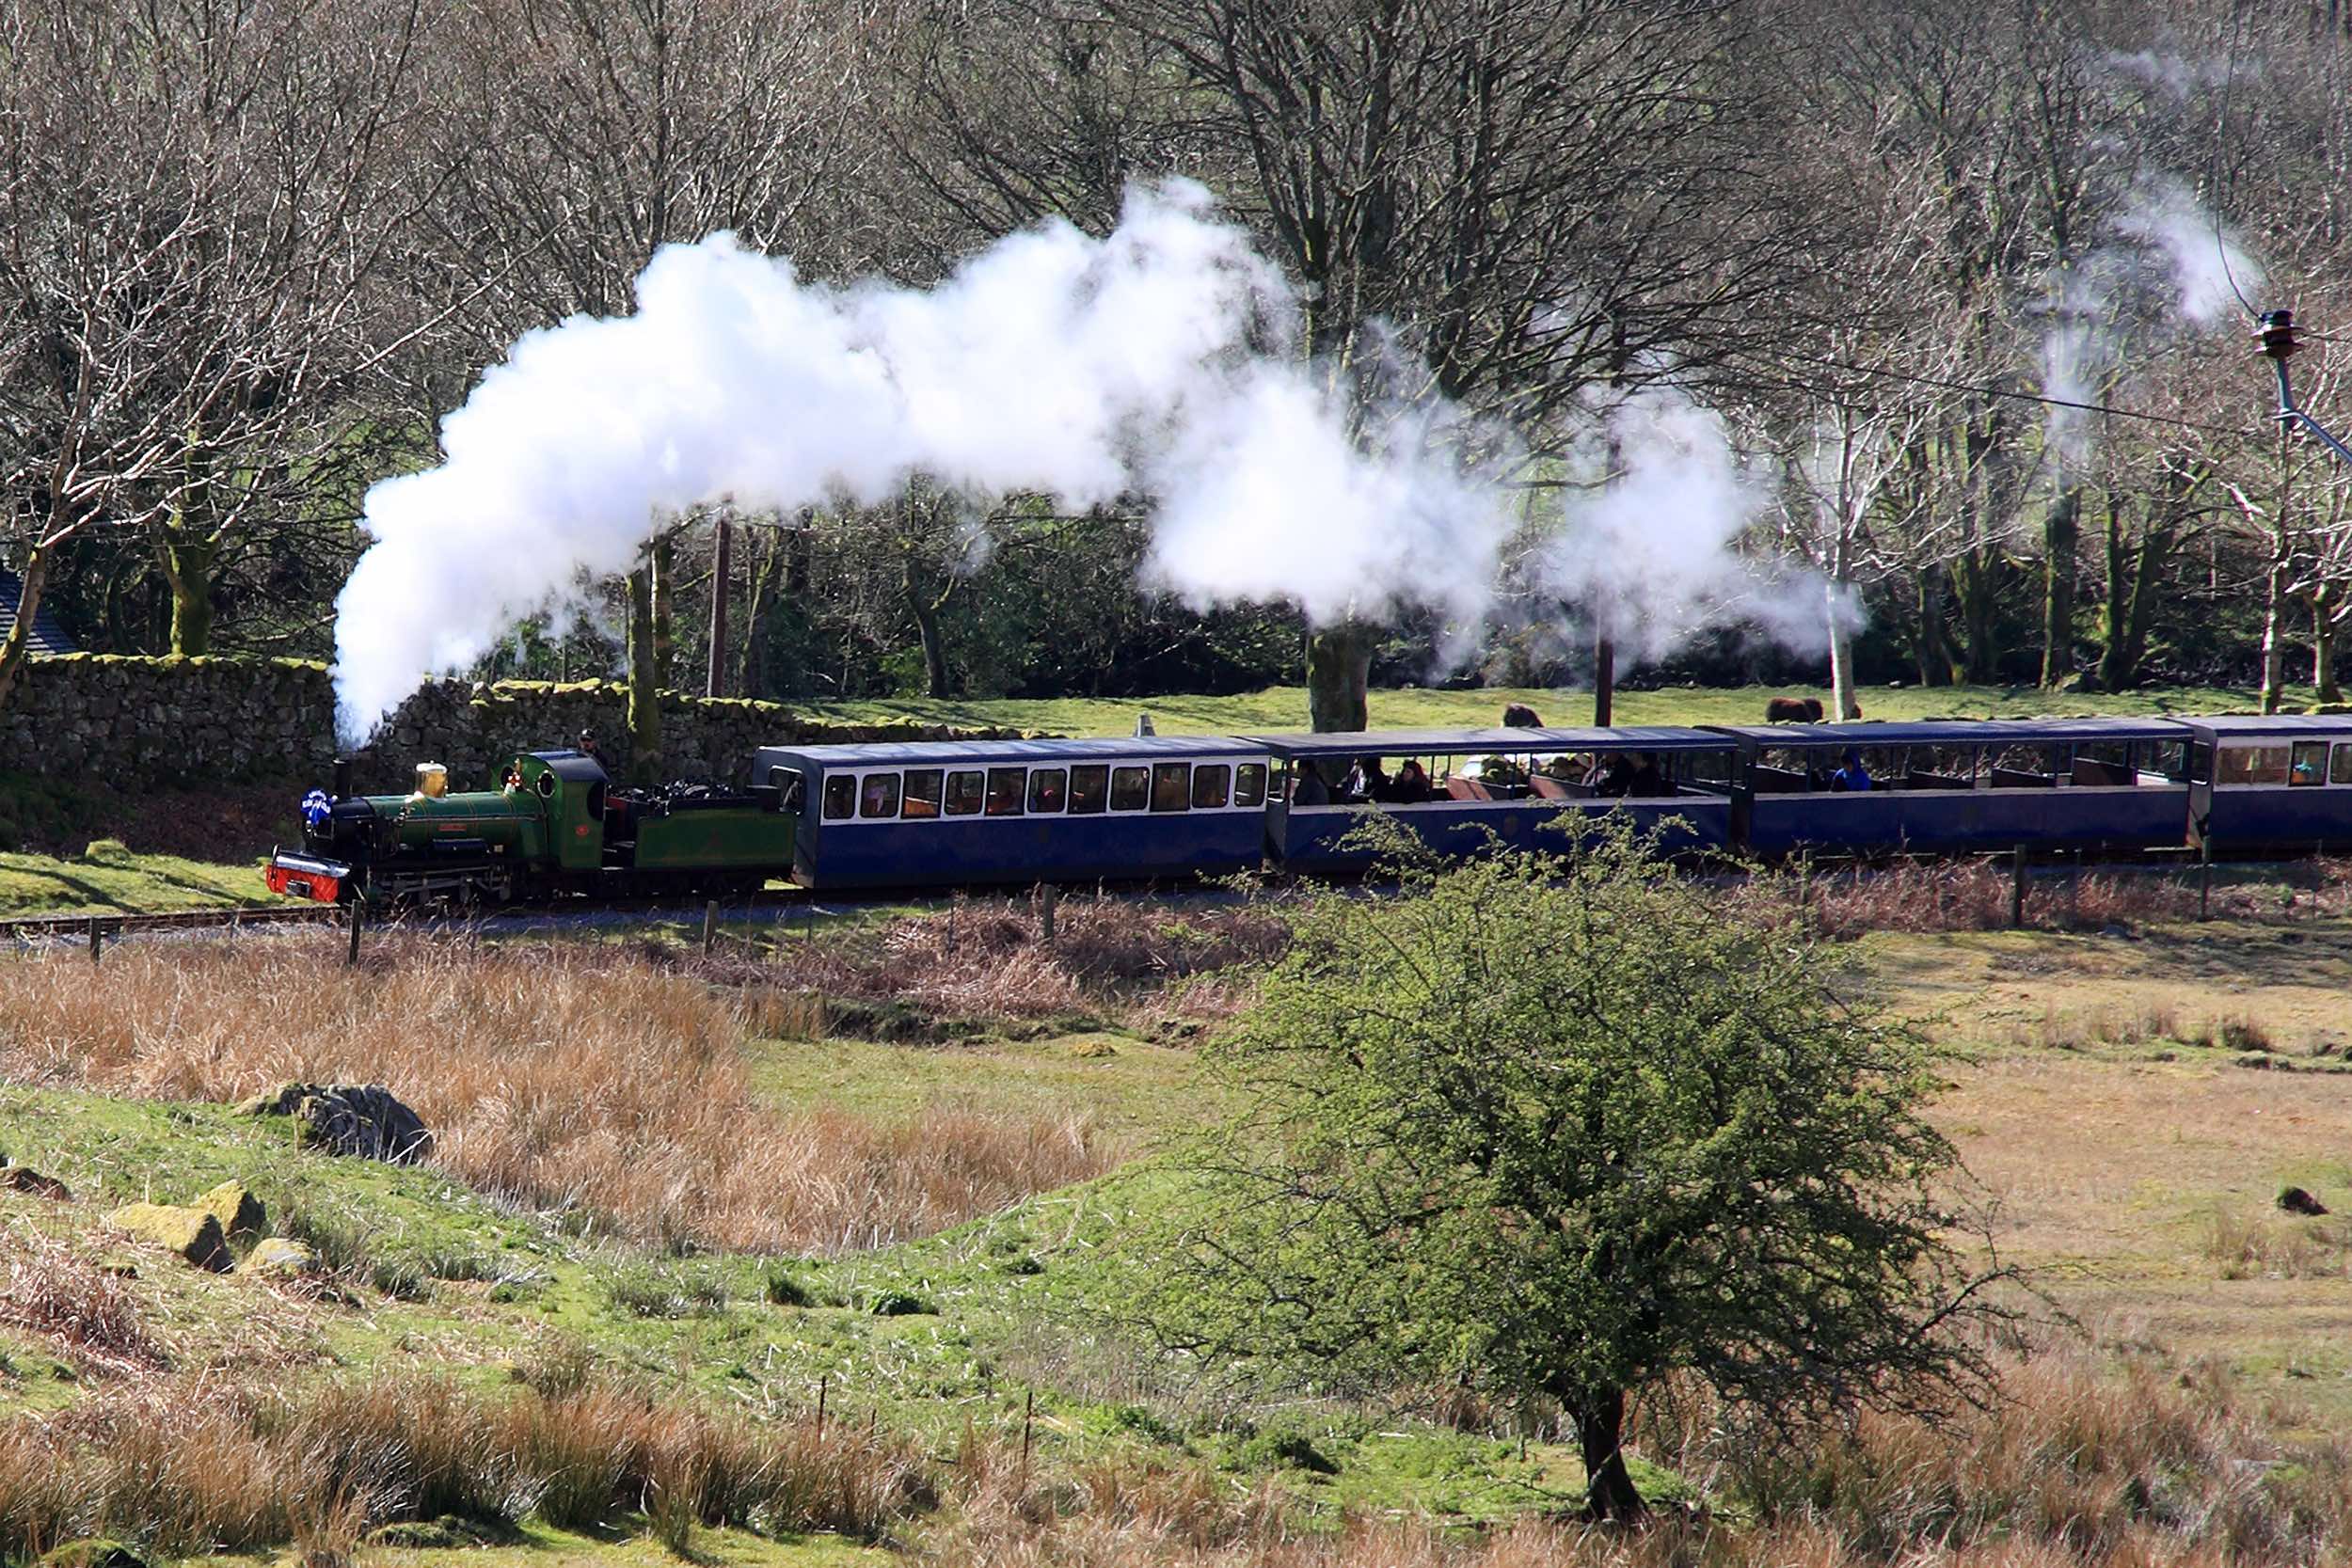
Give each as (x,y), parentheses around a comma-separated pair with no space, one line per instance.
(1974,895)
(552,1078)
(2154,1467)
(194,1467)
(53,1290)
(990,959)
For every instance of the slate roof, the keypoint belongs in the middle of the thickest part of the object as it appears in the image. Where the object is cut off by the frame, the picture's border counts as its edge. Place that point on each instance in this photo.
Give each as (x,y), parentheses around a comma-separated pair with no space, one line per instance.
(48,637)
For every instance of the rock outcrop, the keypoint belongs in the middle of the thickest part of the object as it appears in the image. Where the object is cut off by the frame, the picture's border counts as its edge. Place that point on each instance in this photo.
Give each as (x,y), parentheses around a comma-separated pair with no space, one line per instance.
(365,1120)
(241,1215)
(192,1234)
(280,1259)
(23,1178)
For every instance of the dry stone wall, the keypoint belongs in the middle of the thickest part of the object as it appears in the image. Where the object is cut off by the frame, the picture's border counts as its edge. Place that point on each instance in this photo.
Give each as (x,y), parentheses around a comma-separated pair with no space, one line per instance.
(107,717)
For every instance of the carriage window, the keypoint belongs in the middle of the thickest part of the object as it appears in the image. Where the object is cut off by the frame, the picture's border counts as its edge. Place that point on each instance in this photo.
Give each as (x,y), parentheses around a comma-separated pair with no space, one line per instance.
(1711,770)
(1170,783)
(1249,784)
(1046,786)
(1941,768)
(878,795)
(964,794)
(2340,765)
(922,794)
(840,797)
(1781,771)
(2250,765)
(2024,766)
(2103,763)
(1130,788)
(1089,789)
(2310,766)
(2163,762)
(1208,785)
(1004,790)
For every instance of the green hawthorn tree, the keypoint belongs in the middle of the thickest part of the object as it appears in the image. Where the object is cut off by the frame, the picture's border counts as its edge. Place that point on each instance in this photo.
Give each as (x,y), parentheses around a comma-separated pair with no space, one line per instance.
(1559,1127)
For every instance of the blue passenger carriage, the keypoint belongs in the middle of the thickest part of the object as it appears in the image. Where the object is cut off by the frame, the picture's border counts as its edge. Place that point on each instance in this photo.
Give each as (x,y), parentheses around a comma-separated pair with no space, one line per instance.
(2278,782)
(1940,786)
(1453,787)
(906,814)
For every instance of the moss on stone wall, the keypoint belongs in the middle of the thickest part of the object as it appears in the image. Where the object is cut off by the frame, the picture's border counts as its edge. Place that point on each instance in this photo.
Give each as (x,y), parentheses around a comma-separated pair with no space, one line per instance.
(125,719)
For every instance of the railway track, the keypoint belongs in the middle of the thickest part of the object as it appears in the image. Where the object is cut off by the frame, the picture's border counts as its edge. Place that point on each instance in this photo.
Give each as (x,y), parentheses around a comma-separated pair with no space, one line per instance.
(109,925)
(103,927)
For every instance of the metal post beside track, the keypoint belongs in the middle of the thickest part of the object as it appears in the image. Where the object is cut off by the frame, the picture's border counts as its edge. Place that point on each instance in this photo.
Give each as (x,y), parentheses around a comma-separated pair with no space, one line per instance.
(359,918)
(2017,887)
(2204,878)
(710,927)
(96,939)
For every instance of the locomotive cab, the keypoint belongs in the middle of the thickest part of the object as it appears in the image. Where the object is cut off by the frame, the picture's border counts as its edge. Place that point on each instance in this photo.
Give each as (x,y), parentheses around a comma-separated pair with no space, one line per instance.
(573,786)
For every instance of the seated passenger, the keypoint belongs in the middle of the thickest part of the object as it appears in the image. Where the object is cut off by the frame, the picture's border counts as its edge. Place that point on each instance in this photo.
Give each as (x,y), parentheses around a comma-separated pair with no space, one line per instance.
(1644,778)
(1519,716)
(1369,782)
(1614,777)
(1309,790)
(1852,776)
(1411,787)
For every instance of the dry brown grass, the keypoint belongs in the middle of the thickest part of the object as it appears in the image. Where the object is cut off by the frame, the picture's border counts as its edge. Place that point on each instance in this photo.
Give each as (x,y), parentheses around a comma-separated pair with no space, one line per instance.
(555,1078)
(89,1314)
(989,957)
(2148,1468)
(192,1468)
(1974,895)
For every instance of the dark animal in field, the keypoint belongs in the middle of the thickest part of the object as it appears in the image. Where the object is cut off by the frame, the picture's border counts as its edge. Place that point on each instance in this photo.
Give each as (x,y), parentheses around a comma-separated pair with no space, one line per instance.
(2295,1200)
(1793,710)
(1519,716)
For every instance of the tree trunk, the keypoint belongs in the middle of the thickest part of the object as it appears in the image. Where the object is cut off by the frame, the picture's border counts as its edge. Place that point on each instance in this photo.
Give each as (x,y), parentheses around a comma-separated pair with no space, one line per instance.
(1932,647)
(187,562)
(2323,687)
(751,673)
(1609,1490)
(644,697)
(1974,587)
(721,553)
(664,611)
(926,615)
(1339,669)
(2061,536)
(1840,636)
(2275,584)
(20,640)
(2116,665)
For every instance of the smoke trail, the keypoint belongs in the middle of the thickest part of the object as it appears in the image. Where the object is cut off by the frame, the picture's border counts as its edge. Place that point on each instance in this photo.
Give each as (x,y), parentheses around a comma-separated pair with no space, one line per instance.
(1154,361)
(1648,538)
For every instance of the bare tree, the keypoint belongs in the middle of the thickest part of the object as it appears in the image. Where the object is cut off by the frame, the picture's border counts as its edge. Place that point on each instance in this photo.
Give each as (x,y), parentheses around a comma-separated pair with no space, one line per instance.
(194,271)
(579,136)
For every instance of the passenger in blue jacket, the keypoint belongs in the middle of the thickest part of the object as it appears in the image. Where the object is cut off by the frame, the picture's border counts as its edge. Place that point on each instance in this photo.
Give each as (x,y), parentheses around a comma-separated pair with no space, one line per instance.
(1853,775)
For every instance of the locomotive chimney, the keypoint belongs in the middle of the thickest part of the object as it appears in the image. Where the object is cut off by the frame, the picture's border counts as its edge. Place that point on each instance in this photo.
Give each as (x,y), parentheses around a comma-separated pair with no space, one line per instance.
(343,778)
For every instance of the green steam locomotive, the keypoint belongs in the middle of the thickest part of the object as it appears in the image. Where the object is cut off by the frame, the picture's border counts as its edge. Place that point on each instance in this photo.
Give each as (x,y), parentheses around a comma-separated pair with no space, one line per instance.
(556,826)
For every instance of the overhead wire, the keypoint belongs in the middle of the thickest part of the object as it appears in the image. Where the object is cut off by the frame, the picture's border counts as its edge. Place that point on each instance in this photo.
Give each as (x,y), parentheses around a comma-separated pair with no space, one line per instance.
(2220,139)
(1887,373)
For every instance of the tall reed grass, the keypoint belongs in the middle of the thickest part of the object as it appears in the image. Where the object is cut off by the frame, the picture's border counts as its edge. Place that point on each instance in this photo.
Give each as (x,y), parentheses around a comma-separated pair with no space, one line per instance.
(2152,1467)
(190,1466)
(556,1078)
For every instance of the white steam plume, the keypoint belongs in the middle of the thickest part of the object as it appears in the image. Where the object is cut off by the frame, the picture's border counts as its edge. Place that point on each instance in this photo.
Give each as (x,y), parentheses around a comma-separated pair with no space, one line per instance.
(1154,361)
(1653,555)
(2206,267)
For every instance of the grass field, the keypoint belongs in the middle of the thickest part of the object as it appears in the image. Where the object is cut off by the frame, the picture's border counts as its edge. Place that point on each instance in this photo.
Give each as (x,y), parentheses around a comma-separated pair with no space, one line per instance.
(1284,707)
(927,1200)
